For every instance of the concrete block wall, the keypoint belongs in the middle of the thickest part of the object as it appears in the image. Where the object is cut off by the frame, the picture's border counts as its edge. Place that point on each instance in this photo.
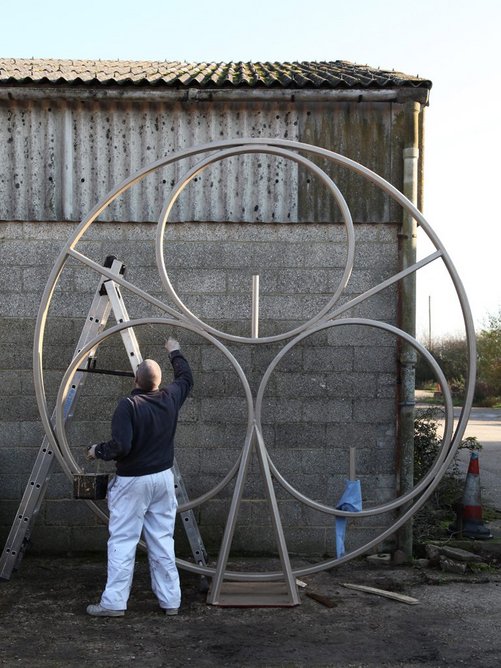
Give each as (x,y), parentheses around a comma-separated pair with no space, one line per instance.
(333,390)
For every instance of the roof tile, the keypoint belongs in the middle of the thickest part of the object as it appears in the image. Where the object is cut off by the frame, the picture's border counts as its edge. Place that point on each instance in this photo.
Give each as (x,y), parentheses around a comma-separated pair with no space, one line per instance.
(327,74)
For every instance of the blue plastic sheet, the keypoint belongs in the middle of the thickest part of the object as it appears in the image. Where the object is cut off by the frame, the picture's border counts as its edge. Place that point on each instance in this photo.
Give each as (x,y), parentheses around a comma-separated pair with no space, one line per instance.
(351,501)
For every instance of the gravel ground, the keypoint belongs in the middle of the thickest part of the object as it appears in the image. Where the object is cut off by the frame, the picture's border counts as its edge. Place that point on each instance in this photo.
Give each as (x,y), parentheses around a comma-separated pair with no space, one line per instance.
(456,621)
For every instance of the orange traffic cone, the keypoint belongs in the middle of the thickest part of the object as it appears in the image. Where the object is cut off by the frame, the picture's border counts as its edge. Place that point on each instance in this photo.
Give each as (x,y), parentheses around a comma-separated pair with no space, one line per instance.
(472,524)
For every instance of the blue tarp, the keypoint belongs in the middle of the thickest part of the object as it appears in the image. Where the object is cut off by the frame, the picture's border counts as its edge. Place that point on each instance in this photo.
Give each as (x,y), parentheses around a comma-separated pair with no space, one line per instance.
(351,501)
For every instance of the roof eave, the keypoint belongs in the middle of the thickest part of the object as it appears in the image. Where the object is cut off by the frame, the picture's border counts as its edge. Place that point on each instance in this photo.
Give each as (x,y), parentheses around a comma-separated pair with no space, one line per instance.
(98,90)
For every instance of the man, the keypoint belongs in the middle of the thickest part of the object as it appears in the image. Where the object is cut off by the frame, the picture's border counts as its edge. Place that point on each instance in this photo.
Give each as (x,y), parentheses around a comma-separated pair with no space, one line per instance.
(141,497)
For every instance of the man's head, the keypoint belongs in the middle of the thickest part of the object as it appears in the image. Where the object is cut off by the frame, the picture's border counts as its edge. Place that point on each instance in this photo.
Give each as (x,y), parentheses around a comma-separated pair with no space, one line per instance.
(148,376)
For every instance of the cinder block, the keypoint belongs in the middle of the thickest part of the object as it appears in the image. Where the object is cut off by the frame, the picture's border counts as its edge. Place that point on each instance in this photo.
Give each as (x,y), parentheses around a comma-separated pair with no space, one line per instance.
(218,462)
(384,256)
(325,410)
(306,385)
(368,359)
(65,512)
(88,539)
(373,410)
(214,513)
(214,360)
(11,485)
(329,359)
(10,434)
(40,232)
(59,486)
(188,459)
(8,513)
(324,255)
(352,385)
(386,385)
(50,540)
(224,410)
(262,357)
(291,436)
(16,254)
(306,540)
(16,460)
(278,410)
(11,279)
(381,306)
(351,434)
(206,281)
(310,517)
(11,230)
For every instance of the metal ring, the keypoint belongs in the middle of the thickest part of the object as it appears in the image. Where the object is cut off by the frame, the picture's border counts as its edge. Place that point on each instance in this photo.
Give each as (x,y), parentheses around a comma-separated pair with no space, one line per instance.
(195,171)
(64,388)
(449,418)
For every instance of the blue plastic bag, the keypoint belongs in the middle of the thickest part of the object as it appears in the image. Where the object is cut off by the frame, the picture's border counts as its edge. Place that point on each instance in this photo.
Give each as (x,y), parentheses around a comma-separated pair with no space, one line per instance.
(351,501)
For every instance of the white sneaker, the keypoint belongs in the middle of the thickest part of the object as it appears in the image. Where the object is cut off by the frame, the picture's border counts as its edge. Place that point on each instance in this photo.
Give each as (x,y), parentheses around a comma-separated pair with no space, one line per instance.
(171,611)
(97,610)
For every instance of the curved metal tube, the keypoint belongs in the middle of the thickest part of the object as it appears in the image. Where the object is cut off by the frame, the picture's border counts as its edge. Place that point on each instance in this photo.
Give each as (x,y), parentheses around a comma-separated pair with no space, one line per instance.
(449,417)
(64,388)
(194,172)
(324,319)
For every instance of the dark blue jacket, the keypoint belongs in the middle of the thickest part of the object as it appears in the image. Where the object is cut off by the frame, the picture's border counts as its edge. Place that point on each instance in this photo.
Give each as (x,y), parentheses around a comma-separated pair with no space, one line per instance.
(144,424)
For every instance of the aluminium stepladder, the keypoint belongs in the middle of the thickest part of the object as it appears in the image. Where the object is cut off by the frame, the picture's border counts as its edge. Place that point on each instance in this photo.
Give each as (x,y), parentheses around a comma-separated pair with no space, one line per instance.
(106,299)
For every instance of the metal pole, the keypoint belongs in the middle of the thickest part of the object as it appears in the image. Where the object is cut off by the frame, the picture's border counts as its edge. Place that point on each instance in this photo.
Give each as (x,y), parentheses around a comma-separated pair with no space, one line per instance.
(353,452)
(429,322)
(255,306)
(408,324)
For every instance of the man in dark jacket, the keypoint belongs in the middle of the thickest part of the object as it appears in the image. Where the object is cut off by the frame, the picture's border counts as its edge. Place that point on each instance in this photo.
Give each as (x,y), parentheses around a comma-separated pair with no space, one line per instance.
(141,497)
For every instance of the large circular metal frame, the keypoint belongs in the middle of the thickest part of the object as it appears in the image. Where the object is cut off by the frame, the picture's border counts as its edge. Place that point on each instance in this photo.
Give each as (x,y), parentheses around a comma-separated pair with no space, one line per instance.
(326,318)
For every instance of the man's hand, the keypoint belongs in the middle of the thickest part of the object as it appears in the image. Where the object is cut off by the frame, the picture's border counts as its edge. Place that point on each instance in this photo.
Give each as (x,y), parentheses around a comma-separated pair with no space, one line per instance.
(91,452)
(171,345)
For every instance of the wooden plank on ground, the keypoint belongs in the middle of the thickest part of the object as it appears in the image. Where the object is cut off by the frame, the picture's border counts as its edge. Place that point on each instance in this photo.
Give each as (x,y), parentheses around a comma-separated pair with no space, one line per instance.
(402,598)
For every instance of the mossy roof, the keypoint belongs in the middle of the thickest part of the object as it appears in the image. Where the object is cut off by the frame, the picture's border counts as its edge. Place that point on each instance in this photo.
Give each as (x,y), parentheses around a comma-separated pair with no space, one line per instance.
(176,74)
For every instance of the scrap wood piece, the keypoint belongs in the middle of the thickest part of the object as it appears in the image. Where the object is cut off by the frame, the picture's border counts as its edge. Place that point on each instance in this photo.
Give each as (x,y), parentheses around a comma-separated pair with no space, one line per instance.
(383,592)
(324,600)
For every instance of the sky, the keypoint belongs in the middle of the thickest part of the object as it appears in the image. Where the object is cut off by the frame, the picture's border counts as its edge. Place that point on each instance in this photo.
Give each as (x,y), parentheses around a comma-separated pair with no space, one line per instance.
(454,43)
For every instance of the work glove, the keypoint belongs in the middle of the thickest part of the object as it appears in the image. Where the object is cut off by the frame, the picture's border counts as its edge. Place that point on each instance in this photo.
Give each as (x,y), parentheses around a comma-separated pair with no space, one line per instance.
(171,345)
(91,452)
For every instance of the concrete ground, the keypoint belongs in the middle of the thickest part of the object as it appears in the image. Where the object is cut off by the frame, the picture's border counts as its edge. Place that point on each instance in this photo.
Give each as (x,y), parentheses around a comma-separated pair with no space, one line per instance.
(455,622)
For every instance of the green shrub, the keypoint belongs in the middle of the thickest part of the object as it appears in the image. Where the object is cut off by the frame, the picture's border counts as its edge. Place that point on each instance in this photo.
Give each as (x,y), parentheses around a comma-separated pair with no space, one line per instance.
(437,513)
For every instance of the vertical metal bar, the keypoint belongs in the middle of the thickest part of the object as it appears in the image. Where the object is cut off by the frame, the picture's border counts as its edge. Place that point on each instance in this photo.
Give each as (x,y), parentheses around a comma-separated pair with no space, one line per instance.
(408,356)
(353,452)
(255,306)
(429,322)
(254,440)
(289,578)
(217,580)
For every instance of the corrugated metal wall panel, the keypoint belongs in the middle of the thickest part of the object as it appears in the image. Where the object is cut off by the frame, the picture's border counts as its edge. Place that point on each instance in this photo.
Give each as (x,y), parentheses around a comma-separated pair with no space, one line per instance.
(60,158)
(369,133)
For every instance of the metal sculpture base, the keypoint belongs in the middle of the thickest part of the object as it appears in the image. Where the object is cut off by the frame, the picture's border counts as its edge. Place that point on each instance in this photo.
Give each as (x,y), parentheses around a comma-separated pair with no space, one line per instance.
(254,595)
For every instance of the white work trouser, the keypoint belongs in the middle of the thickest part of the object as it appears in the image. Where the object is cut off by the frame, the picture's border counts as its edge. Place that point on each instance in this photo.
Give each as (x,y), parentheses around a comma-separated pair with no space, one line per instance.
(144,503)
